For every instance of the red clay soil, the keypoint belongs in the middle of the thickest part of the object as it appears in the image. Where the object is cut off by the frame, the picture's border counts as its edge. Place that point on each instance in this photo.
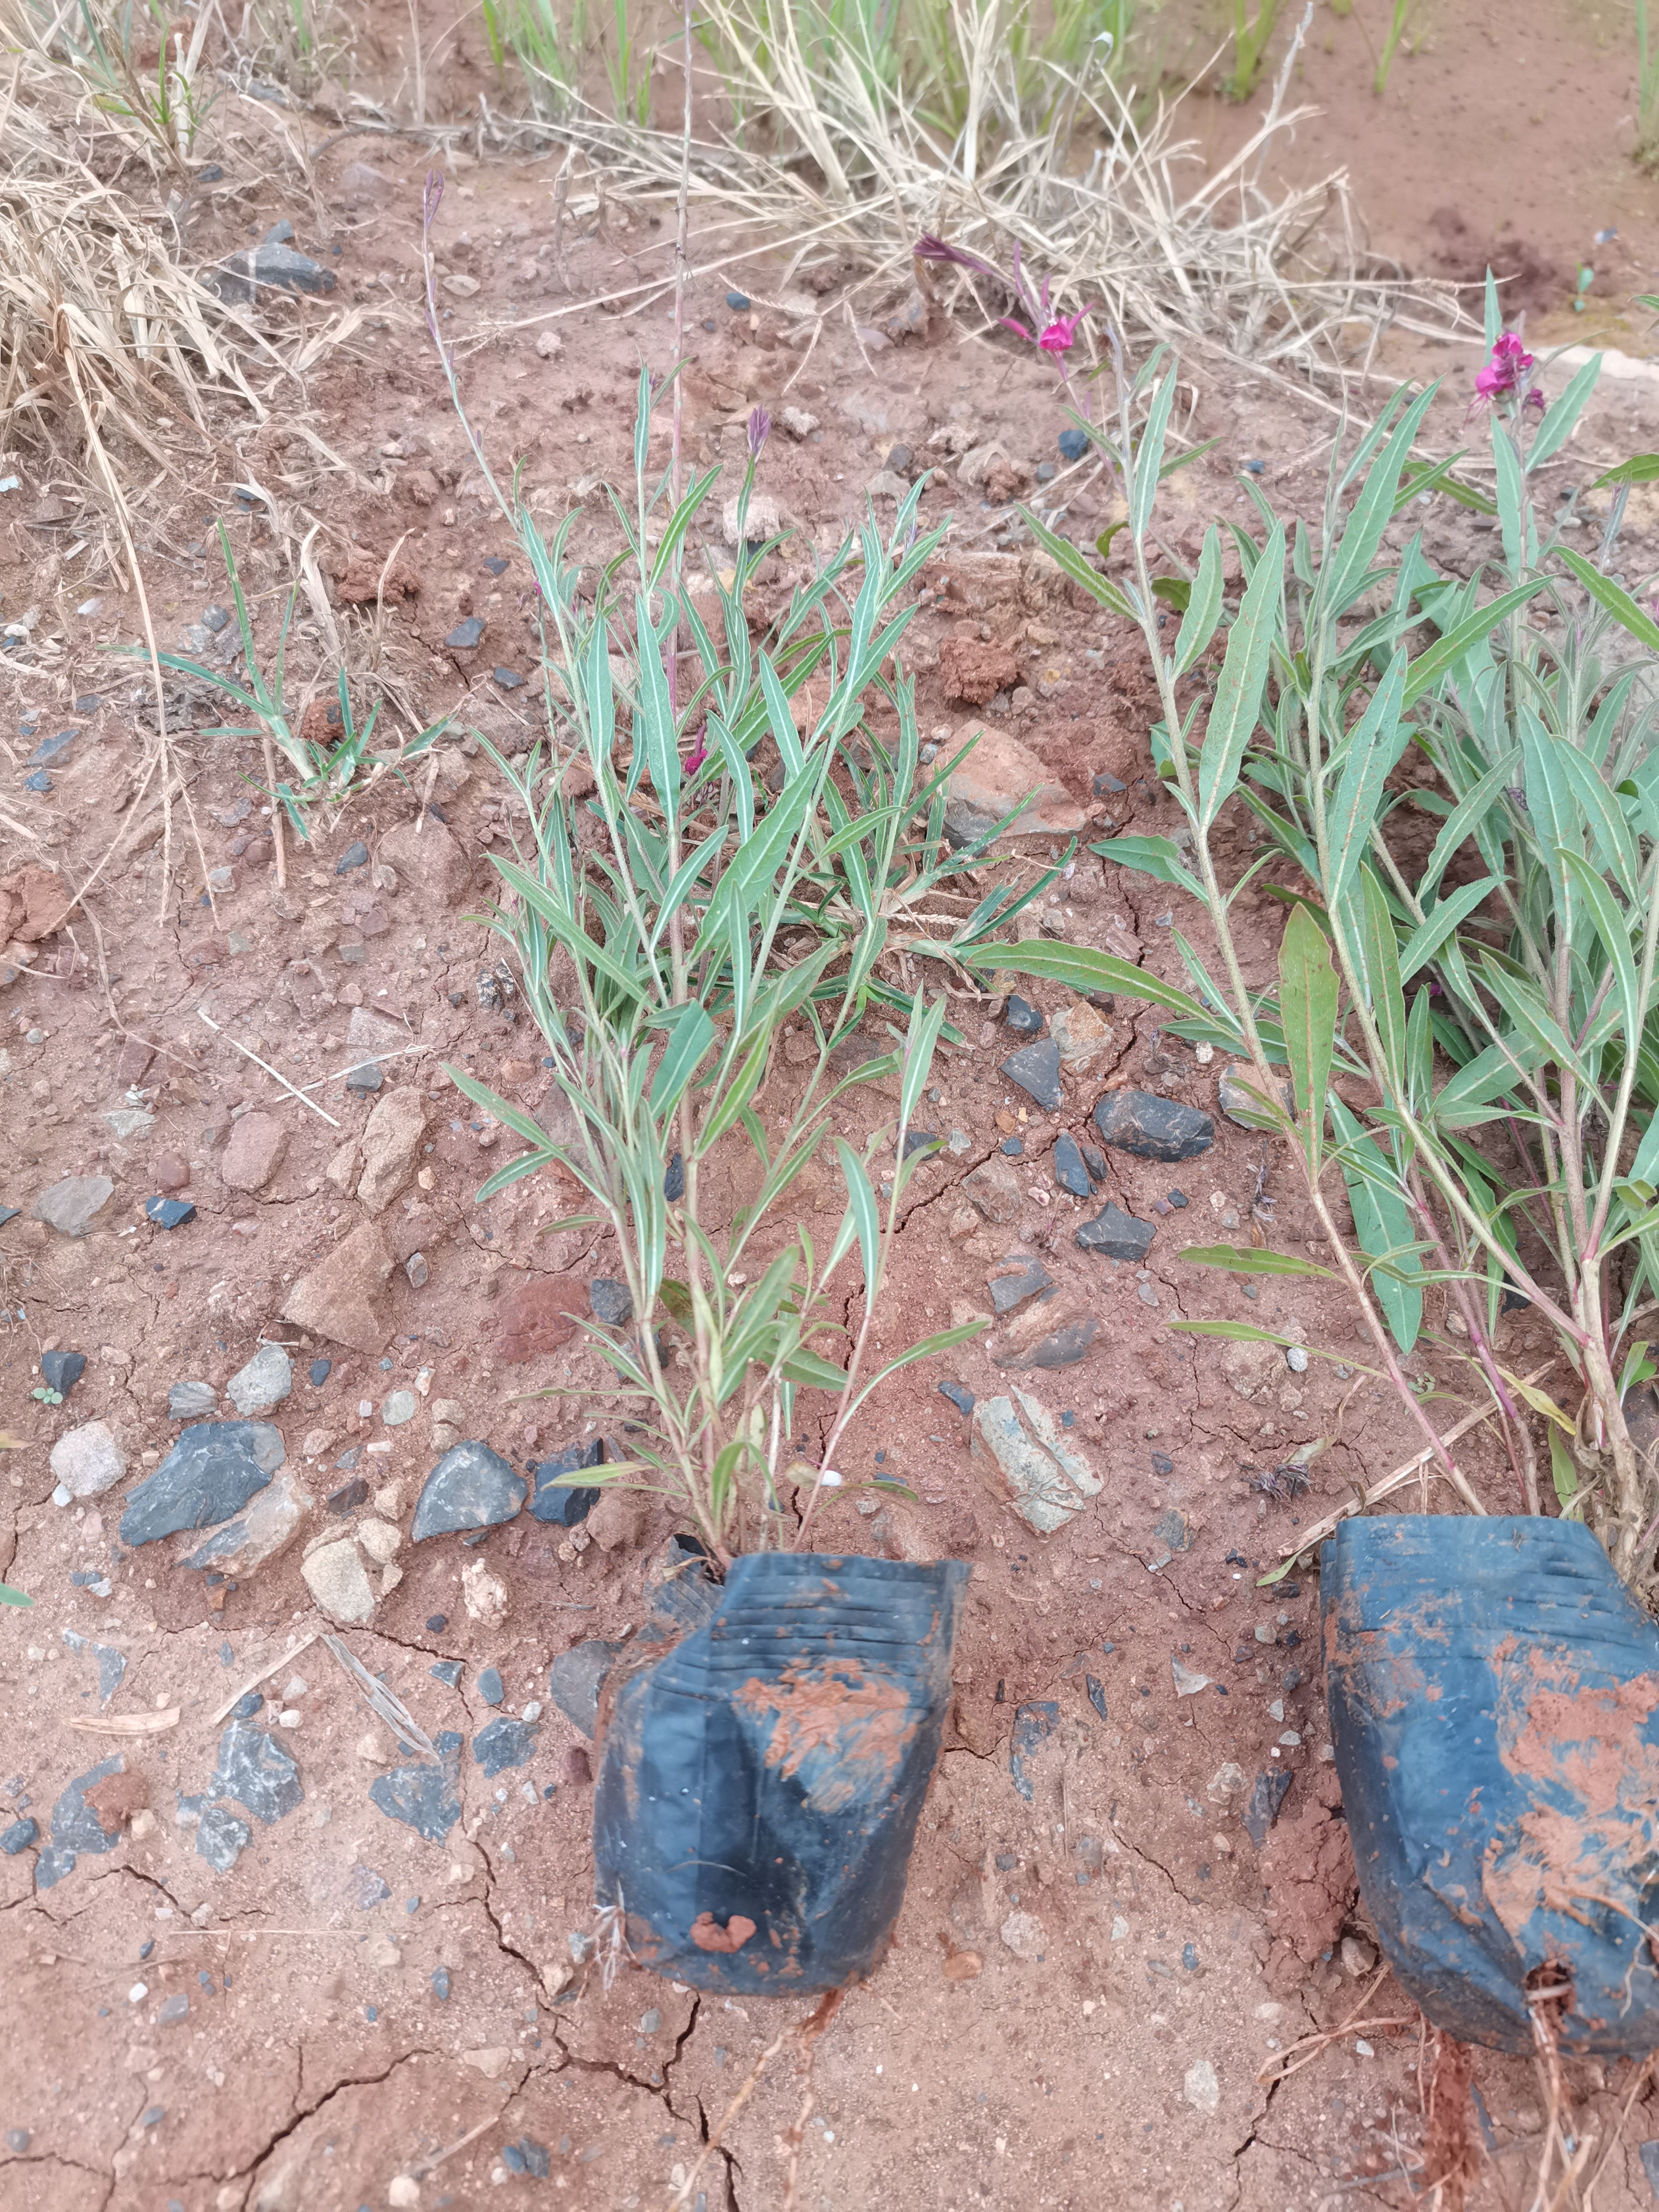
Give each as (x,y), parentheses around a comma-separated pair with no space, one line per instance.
(1092,1970)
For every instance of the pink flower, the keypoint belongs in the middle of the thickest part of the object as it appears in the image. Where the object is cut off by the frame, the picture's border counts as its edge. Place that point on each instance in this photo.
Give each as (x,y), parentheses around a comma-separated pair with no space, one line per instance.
(695,760)
(1503,372)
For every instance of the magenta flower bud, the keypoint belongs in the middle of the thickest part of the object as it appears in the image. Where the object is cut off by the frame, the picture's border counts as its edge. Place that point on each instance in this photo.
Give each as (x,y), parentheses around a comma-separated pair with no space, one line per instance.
(760,429)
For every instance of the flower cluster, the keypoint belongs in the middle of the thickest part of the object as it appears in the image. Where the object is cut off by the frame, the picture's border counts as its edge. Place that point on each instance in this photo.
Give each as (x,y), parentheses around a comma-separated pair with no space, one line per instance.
(1506,373)
(1054,334)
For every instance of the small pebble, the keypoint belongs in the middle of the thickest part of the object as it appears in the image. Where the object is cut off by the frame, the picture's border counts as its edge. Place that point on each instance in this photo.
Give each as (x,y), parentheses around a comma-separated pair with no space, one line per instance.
(737,302)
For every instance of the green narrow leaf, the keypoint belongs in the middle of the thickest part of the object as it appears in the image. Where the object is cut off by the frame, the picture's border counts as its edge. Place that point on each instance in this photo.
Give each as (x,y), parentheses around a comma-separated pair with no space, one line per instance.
(1640,468)
(1203,607)
(1441,658)
(861,1204)
(1383,1224)
(1388,999)
(1064,554)
(925,1025)
(1372,752)
(1465,816)
(1157,857)
(1240,1259)
(1438,924)
(1563,1472)
(1617,601)
(1557,424)
(1613,931)
(1081,967)
(1149,456)
(690,1034)
(1237,705)
(1308,1000)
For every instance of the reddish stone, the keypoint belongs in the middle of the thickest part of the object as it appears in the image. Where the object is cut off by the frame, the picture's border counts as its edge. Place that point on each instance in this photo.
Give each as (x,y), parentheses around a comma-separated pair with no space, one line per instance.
(538,1317)
(171,1172)
(974,672)
(134,1063)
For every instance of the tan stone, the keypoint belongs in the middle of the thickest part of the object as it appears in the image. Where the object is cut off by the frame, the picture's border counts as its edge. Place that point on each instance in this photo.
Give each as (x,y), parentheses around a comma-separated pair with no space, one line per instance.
(343,1298)
(997,774)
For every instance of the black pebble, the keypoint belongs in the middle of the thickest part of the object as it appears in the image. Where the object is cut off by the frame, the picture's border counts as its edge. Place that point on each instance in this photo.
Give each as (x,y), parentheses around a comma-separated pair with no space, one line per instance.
(1022,1017)
(673,1183)
(62,1370)
(436,1623)
(320,1371)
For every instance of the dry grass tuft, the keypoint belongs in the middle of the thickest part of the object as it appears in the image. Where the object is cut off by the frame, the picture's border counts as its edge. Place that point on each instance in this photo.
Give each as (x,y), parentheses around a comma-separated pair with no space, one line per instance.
(1093,197)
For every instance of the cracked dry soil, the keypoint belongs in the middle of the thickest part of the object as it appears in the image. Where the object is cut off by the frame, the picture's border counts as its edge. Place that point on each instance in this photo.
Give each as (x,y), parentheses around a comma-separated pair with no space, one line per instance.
(1095,1957)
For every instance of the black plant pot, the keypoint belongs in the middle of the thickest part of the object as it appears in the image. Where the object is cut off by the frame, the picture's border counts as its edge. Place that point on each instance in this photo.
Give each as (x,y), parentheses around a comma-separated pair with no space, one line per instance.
(759,1781)
(1494,1702)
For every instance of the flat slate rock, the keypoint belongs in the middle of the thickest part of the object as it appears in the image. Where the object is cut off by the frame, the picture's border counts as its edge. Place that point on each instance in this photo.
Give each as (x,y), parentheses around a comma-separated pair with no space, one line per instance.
(256,1770)
(1152,1128)
(556,1498)
(208,1477)
(1036,1069)
(53,1864)
(62,1370)
(221,1837)
(188,1401)
(1117,1235)
(1034,1723)
(1064,1346)
(959,1395)
(425,1796)
(1070,1173)
(70,1205)
(112,1664)
(573,1680)
(505,1743)
(1010,1291)
(470,1487)
(1267,1795)
(75,1826)
(18,1837)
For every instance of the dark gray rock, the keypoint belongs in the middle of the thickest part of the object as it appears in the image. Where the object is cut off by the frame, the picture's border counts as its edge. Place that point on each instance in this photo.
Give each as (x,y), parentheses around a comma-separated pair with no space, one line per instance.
(1065,1346)
(426,1794)
(1014,1148)
(558,1500)
(1036,1069)
(1267,1795)
(365,1078)
(50,749)
(1153,1129)
(1070,1173)
(53,1863)
(355,856)
(491,1688)
(1094,1160)
(349,1497)
(216,618)
(507,679)
(37,780)
(18,1837)
(674,1182)
(470,1487)
(440,1983)
(505,1743)
(62,1370)
(208,1477)
(959,1395)
(1022,1016)
(75,1825)
(320,1371)
(258,1771)
(1093,1685)
(169,1213)
(1034,1723)
(611,1301)
(284,267)
(447,1671)
(221,1837)
(1009,1292)
(175,2009)
(573,1680)
(920,1140)
(247,1705)
(1117,1235)
(1073,445)
(364,1889)
(466,635)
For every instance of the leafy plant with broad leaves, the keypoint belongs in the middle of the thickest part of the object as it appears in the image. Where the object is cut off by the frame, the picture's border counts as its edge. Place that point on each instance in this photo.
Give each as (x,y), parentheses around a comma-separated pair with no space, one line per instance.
(1456,785)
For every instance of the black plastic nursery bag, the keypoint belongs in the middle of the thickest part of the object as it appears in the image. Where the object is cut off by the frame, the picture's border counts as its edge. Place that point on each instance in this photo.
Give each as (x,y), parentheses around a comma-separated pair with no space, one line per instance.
(1494,1702)
(760,1781)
